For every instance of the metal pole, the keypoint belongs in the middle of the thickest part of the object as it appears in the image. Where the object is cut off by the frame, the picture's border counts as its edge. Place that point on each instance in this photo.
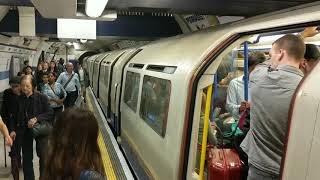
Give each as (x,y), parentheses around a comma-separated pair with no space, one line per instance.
(246,72)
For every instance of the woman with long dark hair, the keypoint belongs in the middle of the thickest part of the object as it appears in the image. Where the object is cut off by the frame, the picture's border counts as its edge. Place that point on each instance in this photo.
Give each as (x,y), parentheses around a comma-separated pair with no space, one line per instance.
(74,152)
(53,67)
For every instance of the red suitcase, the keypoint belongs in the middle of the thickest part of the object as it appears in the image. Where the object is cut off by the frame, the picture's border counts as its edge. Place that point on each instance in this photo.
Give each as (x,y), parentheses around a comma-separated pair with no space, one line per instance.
(224,164)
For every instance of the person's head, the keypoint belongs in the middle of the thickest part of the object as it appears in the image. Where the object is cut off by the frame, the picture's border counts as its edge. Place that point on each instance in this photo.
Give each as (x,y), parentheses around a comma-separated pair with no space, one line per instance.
(287,50)
(26,62)
(45,78)
(311,57)
(45,66)
(28,70)
(39,67)
(27,85)
(69,67)
(15,85)
(73,145)
(52,64)
(21,73)
(52,77)
(61,61)
(254,59)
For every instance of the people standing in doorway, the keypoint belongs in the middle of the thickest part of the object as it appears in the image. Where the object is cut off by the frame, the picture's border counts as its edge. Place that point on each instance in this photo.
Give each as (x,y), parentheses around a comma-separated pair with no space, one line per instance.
(32,108)
(54,91)
(70,82)
(272,85)
(8,111)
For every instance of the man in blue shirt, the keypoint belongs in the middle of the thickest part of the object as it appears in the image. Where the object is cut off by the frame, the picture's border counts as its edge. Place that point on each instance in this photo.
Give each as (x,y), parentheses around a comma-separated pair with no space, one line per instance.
(70,82)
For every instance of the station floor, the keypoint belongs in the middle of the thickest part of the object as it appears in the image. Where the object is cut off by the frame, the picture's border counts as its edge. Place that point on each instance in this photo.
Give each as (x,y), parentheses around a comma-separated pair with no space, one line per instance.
(5,172)
(113,160)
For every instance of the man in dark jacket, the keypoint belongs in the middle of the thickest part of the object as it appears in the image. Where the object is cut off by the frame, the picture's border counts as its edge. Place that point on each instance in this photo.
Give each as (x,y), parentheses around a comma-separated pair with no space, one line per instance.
(10,98)
(32,108)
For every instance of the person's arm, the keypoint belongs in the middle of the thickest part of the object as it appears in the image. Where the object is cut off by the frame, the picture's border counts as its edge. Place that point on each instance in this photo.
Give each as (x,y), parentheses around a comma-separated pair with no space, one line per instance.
(5,133)
(231,104)
(309,32)
(4,108)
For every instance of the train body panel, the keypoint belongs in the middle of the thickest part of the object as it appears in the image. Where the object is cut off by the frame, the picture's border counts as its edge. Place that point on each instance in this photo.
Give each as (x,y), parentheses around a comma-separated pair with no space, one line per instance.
(105,77)
(96,70)
(116,86)
(159,83)
(90,62)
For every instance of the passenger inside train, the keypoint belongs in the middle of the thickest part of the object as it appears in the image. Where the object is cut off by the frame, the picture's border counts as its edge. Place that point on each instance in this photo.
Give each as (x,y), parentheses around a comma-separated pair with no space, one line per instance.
(229,100)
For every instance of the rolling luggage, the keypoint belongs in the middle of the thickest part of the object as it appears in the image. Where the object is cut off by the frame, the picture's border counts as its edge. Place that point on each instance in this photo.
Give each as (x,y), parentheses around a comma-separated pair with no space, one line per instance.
(224,164)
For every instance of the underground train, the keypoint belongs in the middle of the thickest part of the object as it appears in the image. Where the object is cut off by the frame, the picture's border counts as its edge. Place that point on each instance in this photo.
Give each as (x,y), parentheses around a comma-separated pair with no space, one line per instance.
(151,95)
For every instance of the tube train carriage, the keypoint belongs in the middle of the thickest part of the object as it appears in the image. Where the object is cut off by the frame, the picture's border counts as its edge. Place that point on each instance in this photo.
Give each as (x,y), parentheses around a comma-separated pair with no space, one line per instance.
(151,95)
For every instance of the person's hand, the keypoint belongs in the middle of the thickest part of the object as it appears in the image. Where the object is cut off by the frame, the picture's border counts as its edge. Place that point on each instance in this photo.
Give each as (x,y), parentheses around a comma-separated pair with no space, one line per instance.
(59,101)
(309,32)
(32,122)
(8,141)
(13,135)
(243,106)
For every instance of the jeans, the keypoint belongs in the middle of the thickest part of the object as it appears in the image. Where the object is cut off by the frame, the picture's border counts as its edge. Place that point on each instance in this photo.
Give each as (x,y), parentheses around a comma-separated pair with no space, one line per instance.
(27,152)
(256,174)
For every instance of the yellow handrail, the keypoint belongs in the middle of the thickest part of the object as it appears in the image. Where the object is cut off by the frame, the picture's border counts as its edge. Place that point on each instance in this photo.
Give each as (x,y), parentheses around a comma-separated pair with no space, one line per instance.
(205,132)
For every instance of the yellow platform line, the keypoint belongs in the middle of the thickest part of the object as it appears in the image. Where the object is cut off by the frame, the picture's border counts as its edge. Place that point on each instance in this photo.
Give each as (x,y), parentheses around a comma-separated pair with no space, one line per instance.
(103,148)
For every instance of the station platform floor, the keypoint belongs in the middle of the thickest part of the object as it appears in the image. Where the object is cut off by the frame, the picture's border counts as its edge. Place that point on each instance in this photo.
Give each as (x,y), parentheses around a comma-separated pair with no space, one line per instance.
(115,165)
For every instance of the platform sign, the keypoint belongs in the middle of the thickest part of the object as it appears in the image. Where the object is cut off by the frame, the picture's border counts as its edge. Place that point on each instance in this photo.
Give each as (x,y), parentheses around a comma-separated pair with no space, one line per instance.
(198,22)
(77,28)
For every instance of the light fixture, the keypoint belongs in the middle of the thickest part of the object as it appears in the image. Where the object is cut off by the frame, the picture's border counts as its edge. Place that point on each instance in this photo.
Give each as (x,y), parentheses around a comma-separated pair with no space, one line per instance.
(94,8)
(69,43)
(83,41)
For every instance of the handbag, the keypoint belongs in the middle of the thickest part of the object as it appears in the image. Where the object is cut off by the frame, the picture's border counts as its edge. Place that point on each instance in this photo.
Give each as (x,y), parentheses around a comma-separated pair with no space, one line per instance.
(42,128)
(61,95)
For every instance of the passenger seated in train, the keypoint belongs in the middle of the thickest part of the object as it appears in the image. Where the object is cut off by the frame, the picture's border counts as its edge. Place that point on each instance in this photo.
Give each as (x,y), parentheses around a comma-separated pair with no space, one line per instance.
(54,91)
(8,111)
(311,58)
(74,152)
(272,85)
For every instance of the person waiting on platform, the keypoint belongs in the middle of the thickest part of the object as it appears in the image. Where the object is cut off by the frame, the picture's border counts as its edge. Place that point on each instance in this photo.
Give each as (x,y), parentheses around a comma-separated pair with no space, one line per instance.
(8,110)
(32,108)
(74,152)
(235,96)
(272,85)
(27,70)
(54,91)
(70,82)
(53,67)
(84,79)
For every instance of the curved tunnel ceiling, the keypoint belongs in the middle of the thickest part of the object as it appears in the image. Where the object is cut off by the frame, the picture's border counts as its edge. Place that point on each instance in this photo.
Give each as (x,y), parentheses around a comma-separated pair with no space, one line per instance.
(214,7)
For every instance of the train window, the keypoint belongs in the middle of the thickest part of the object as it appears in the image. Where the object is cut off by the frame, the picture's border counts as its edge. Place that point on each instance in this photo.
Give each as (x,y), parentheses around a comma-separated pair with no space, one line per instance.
(164,69)
(138,66)
(132,90)
(154,105)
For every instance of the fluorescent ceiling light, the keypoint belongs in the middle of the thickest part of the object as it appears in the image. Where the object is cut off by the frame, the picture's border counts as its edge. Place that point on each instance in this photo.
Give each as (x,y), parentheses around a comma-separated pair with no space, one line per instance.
(83,41)
(94,8)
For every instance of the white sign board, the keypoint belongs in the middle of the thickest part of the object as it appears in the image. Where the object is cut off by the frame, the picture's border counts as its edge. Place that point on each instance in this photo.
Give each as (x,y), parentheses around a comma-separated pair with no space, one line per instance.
(76,28)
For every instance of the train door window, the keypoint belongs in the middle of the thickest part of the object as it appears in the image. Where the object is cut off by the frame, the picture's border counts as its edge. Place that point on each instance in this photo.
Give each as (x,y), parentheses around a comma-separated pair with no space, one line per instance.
(154,105)
(132,90)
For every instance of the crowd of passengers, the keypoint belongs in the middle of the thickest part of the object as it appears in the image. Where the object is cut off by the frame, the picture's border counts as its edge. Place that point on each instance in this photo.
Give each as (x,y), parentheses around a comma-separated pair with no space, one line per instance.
(40,106)
(272,84)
